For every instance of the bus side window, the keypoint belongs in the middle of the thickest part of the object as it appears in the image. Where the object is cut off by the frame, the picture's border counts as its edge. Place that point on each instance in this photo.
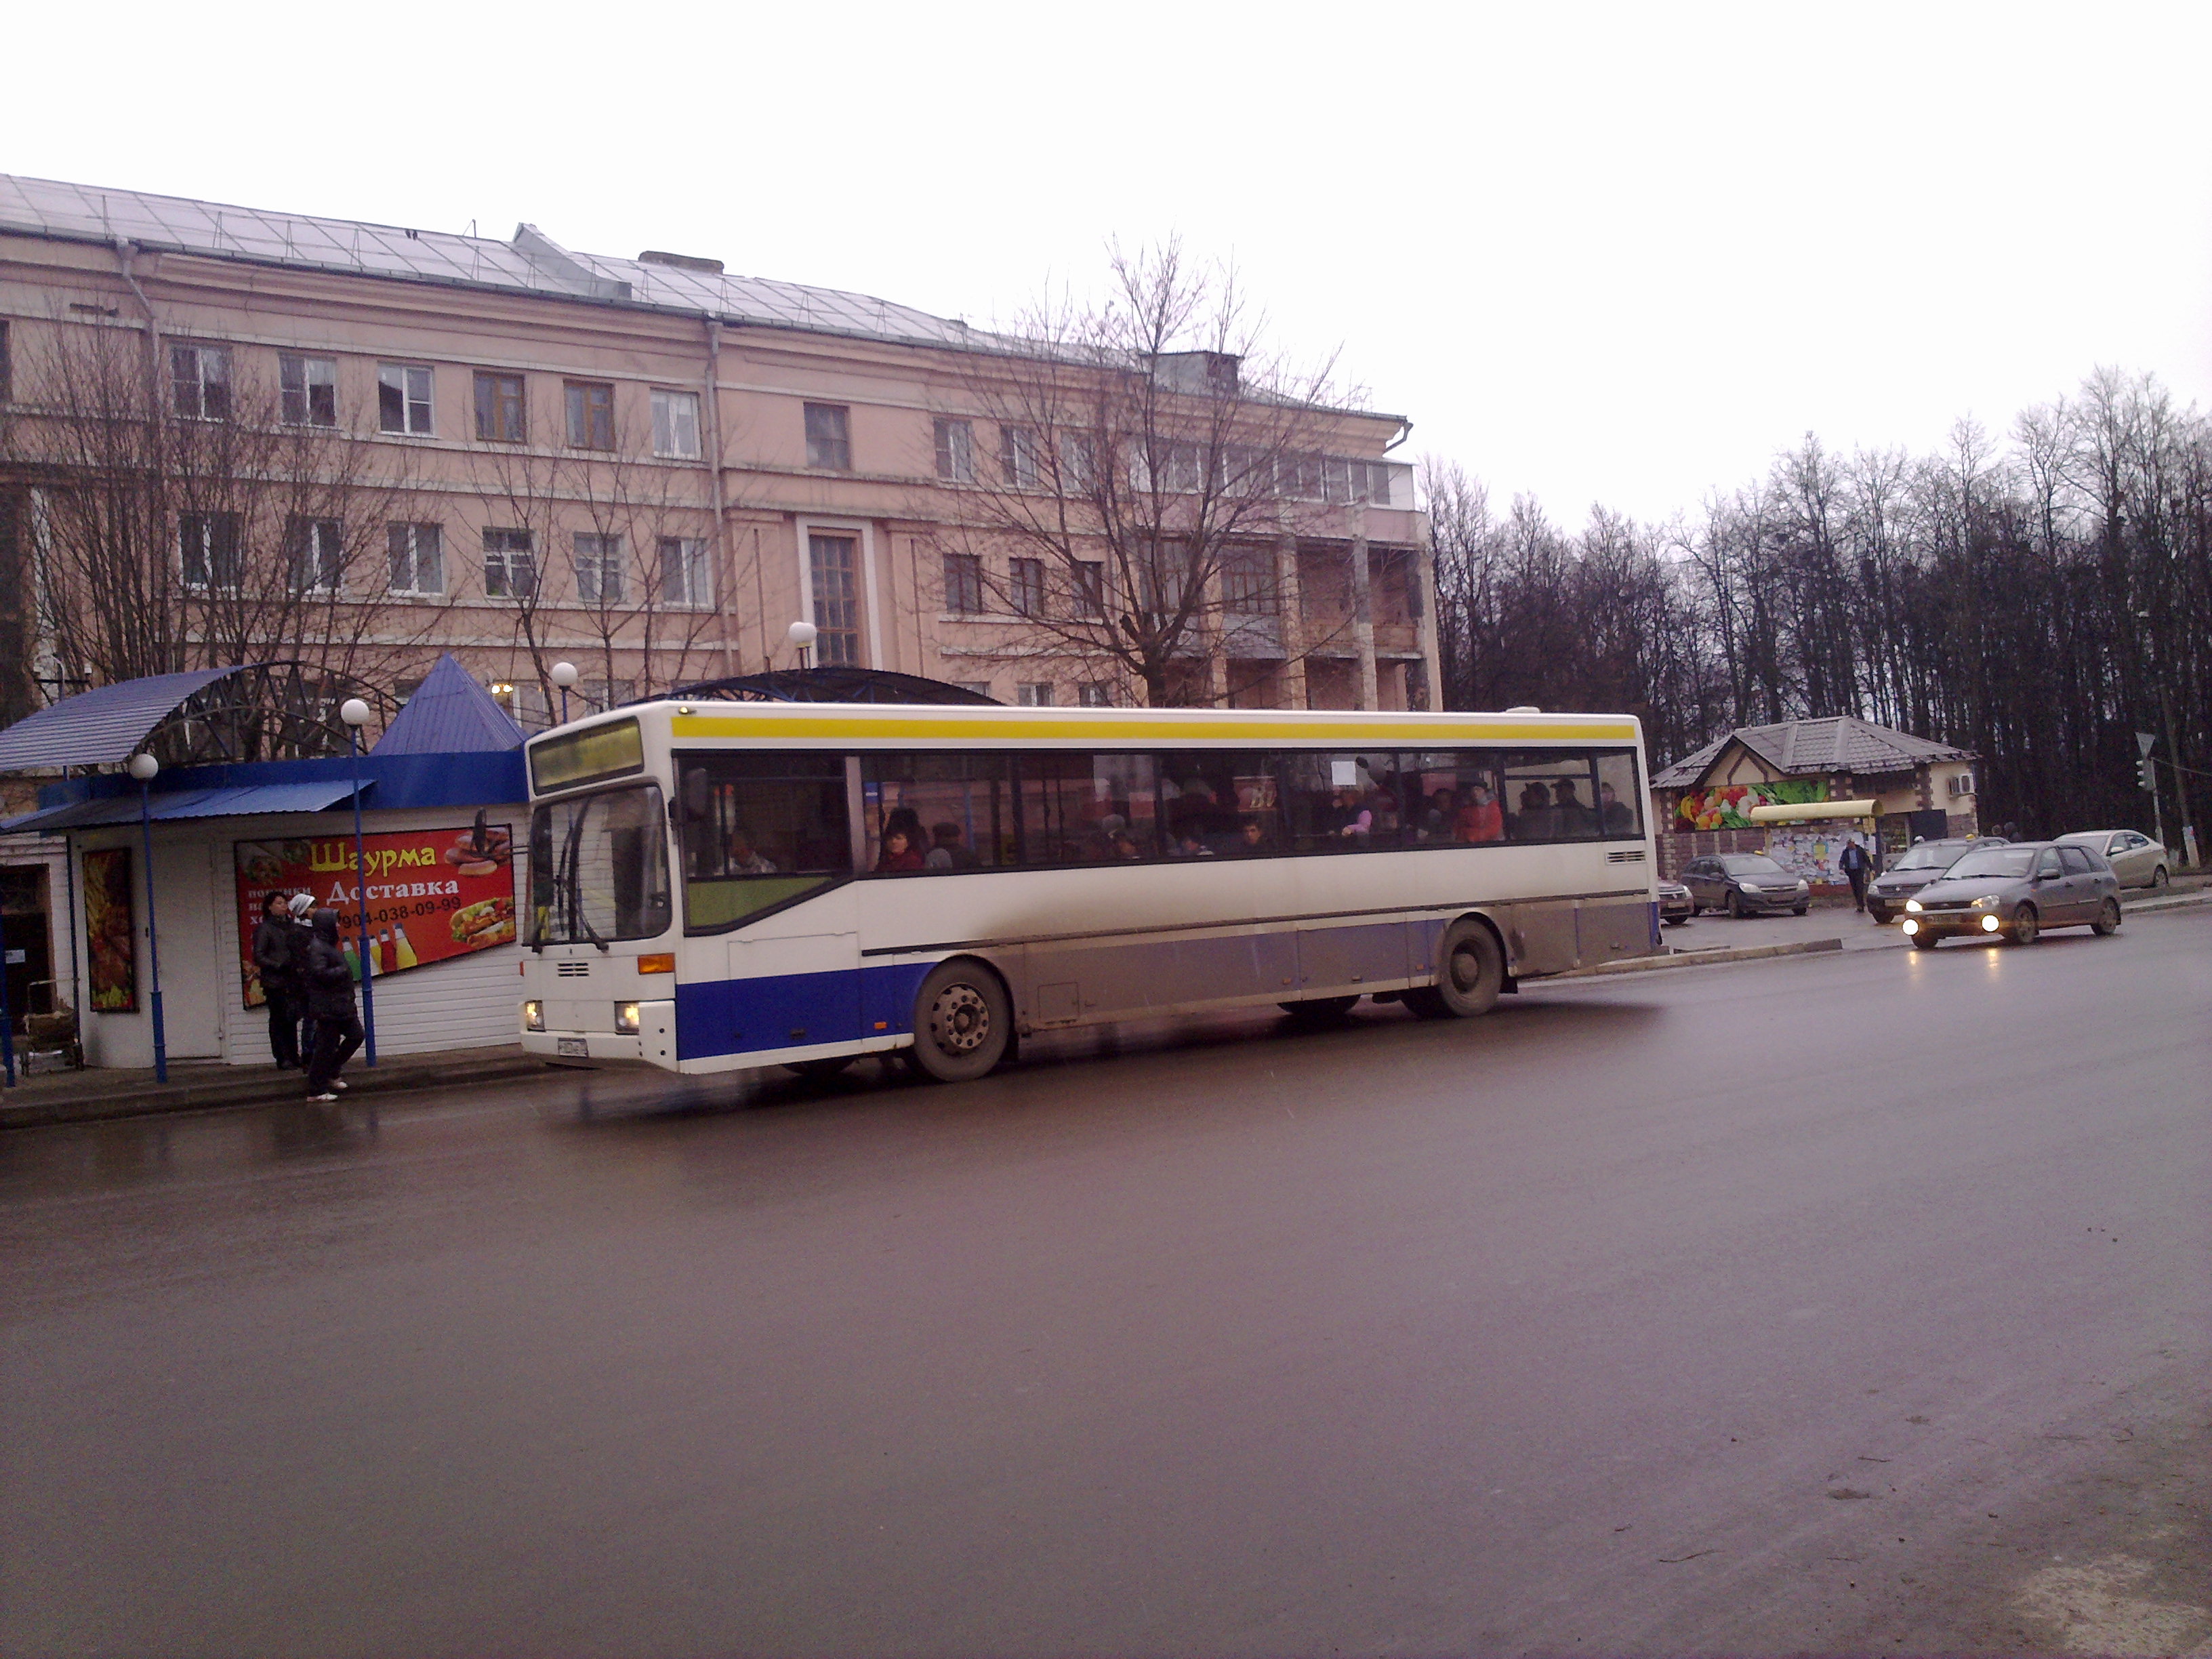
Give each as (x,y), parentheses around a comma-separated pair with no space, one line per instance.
(1087,809)
(956,812)
(1344,803)
(1619,801)
(759,830)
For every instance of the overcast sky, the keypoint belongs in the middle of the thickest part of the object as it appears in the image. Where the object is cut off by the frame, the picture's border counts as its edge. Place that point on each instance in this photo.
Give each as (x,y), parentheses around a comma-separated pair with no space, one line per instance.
(1598,254)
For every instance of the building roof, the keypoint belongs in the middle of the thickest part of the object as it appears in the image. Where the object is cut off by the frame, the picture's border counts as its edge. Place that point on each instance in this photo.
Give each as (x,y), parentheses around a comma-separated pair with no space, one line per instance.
(233,801)
(530,262)
(1816,748)
(102,727)
(450,715)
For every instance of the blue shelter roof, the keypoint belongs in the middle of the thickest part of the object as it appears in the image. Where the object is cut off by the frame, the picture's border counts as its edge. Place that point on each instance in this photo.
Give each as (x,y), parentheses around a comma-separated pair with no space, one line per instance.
(102,727)
(230,801)
(450,715)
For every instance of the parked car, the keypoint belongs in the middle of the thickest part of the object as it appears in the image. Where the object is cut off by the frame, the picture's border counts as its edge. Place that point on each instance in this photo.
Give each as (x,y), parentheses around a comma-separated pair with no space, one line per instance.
(2016,891)
(1743,884)
(1675,904)
(1916,866)
(2135,858)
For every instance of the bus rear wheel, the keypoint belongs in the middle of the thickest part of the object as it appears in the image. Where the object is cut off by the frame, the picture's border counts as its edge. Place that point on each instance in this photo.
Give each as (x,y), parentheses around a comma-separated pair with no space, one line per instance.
(1470,974)
(962,1022)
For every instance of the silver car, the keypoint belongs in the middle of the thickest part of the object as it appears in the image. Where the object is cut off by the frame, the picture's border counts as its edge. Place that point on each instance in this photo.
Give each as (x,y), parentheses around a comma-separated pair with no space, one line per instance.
(1915,868)
(2014,893)
(2135,858)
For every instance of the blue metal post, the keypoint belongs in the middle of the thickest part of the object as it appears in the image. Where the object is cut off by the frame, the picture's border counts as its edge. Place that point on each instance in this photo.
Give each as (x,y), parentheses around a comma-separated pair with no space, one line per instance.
(153,930)
(361,887)
(7,1014)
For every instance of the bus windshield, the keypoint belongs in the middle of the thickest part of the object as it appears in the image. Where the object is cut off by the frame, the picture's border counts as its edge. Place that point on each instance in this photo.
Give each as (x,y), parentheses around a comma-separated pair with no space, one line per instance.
(599,868)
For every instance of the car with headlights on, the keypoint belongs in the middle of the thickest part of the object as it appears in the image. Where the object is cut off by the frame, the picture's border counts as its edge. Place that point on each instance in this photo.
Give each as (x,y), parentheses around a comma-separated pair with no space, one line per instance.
(2014,893)
(2135,858)
(1915,868)
(1744,884)
(1675,904)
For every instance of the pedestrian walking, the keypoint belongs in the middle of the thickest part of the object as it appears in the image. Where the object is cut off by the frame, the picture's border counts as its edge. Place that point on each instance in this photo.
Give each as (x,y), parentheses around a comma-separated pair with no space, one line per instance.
(280,982)
(330,1000)
(1855,864)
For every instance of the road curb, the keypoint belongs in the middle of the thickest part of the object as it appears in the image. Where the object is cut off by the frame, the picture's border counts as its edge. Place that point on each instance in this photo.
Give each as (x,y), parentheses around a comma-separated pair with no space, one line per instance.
(1707,958)
(257,1087)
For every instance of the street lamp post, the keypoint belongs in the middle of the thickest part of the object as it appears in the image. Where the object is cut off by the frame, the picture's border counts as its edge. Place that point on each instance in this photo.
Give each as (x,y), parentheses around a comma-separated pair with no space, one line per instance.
(563,675)
(143,767)
(355,714)
(803,635)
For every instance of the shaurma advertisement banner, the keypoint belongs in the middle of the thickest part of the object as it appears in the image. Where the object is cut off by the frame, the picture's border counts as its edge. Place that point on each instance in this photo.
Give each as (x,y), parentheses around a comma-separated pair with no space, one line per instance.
(432,894)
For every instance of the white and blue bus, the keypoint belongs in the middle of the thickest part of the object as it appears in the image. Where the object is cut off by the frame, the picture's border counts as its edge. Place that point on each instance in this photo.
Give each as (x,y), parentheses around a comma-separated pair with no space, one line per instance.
(718,886)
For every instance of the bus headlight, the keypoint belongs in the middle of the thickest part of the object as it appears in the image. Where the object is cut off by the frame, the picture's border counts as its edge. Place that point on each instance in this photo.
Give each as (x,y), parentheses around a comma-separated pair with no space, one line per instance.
(533,1016)
(626,1018)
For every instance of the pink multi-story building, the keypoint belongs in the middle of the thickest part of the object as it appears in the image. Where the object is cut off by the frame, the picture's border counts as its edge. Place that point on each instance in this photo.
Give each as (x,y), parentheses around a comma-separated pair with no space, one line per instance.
(648,467)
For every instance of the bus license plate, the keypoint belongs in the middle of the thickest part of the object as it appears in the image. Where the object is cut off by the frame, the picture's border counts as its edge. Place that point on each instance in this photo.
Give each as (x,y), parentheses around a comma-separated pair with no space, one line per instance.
(572,1047)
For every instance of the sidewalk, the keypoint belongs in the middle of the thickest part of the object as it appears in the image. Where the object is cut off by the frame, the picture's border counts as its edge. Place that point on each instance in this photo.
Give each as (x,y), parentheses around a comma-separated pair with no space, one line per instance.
(197,1086)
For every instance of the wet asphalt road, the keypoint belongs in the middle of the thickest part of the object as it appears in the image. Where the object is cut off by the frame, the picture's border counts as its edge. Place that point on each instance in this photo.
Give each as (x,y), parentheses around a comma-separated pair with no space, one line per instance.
(1839,1304)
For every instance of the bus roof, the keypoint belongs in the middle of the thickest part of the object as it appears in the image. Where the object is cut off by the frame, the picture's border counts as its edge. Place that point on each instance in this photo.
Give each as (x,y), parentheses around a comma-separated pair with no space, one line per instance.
(897,726)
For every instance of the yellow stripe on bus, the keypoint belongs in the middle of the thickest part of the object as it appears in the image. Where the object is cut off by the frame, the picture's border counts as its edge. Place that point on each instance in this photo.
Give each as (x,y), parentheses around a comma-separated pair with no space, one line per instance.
(794,723)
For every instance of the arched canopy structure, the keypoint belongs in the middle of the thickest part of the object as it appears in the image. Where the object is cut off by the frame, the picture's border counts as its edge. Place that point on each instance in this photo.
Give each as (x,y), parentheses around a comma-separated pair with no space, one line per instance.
(832,685)
(250,712)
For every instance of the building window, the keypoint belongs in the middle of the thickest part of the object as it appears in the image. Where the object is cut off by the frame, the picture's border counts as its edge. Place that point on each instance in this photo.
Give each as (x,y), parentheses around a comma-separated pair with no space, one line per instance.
(1087,582)
(1025,589)
(963,584)
(1248,582)
(686,577)
(310,387)
(418,558)
(1018,457)
(956,450)
(314,554)
(1034,695)
(834,565)
(209,546)
(500,412)
(403,398)
(510,564)
(199,376)
(598,568)
(829,437)
(1097,694)
(591,414)
(676,425)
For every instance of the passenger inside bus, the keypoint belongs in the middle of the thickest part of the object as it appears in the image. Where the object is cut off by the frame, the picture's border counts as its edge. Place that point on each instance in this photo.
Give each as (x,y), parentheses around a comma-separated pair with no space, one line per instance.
(1480,820)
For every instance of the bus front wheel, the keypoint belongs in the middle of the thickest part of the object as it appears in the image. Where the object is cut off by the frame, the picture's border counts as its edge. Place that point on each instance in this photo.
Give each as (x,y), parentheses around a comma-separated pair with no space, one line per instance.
(962,1022)
(1470,974)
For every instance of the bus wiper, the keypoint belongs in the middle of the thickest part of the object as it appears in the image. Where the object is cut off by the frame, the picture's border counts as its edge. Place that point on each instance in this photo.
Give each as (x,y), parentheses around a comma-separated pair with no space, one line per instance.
(568,883)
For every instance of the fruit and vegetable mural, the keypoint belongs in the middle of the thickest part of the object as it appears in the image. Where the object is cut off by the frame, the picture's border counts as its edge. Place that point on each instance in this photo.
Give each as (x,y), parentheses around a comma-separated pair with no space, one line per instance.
(1727,806)
(110,931)
(433,894)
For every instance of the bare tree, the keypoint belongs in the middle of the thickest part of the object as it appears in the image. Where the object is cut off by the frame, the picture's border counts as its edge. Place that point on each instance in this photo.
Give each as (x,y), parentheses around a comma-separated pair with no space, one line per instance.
(1137,471)
(187,519)
(603,559)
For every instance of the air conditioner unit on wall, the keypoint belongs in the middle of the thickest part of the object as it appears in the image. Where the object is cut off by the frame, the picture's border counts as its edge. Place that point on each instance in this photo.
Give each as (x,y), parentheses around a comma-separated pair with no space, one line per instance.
(1961,783)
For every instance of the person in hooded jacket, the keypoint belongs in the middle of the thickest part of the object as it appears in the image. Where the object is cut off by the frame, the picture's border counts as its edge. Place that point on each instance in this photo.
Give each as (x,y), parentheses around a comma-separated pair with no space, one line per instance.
(280,988)
(301,936)
(330,1000)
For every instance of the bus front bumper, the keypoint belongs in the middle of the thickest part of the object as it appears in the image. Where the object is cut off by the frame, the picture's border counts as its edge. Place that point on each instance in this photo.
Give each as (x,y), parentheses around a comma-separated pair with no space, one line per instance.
(654,1042)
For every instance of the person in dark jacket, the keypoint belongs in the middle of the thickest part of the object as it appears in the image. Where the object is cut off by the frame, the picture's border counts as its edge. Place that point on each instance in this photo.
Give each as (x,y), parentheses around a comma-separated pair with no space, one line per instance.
(330,1000)
(297,914)
(1856,865)
(280,985)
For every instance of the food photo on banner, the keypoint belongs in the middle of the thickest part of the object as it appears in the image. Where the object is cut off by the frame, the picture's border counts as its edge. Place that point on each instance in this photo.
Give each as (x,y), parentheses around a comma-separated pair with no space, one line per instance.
(111,930)
(433,894)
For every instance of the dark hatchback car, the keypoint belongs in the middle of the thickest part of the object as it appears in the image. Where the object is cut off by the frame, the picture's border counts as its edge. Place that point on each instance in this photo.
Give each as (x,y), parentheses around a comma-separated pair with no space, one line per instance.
(1914,868)
(2015,892)
(1743,884)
